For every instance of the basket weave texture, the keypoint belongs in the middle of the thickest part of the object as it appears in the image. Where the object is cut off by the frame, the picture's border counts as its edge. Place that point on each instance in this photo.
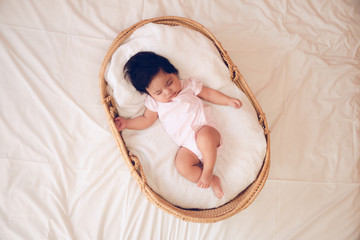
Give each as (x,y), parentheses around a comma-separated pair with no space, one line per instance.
(243,199)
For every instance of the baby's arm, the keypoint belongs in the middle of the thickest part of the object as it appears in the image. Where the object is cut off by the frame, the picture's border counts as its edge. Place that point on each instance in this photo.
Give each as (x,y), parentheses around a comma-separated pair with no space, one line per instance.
(217,97)
(137,123)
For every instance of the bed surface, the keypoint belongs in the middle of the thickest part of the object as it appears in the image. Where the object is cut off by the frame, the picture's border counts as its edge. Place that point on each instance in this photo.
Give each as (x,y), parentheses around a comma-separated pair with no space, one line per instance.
(62,176)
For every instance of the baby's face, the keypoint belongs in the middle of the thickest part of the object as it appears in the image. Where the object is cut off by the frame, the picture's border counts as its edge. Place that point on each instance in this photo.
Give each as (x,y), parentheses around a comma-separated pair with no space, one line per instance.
(164,86)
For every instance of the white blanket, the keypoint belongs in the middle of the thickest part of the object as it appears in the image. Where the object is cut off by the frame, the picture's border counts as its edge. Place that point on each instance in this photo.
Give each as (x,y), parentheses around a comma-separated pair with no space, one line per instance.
(244,146)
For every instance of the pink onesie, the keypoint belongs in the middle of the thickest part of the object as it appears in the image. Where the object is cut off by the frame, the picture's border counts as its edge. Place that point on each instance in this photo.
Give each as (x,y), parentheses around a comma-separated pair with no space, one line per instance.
(184,115)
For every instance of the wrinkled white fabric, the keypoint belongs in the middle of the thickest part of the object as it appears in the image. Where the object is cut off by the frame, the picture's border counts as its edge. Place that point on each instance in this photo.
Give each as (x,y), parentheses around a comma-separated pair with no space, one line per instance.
(62,176)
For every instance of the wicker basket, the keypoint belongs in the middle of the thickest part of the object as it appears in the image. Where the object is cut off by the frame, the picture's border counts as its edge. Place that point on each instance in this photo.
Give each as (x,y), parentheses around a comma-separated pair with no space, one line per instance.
(243,199)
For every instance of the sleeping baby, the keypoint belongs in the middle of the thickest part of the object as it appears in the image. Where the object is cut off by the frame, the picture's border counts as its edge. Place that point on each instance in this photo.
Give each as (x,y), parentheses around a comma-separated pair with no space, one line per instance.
(184,116)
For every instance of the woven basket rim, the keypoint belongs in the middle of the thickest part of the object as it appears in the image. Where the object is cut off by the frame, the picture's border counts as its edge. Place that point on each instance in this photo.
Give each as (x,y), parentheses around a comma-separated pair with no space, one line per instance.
(243,199)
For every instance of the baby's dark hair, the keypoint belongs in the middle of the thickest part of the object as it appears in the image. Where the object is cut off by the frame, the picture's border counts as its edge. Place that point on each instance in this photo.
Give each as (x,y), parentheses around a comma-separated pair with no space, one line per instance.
(143,66)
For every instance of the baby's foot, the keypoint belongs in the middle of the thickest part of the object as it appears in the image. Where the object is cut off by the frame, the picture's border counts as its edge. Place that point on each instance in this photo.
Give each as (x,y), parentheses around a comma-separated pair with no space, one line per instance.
(205,180)
(216,187)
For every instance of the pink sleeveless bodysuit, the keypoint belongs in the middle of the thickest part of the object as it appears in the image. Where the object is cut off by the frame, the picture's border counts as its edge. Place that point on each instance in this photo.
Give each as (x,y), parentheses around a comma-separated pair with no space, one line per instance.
(184,115)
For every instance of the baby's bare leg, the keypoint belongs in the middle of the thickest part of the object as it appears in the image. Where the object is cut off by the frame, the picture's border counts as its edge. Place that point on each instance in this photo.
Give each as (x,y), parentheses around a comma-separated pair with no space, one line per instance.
(208,140)
(189,166)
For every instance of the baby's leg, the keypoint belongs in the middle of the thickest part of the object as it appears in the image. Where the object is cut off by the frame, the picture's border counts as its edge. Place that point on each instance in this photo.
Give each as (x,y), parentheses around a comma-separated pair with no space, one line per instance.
(189,166)
(207,140)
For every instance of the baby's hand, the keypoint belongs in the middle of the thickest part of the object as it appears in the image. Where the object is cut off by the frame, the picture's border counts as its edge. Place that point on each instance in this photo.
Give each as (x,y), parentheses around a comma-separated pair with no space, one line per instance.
(234,102)
(120,123)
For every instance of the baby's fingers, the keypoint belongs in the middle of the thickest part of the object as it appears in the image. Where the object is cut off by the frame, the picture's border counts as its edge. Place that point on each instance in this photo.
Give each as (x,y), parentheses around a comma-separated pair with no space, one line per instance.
(236,103)
(118,124)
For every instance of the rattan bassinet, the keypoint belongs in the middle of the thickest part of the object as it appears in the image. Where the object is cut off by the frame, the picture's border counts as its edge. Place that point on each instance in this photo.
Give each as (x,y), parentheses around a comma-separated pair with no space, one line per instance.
(241,201)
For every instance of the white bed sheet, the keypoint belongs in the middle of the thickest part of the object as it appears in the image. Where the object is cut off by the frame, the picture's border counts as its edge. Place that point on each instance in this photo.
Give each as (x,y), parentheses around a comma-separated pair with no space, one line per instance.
(62,176)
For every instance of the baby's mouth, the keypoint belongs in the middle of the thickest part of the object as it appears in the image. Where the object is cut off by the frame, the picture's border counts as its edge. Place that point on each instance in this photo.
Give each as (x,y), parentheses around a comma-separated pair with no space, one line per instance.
(172,96)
